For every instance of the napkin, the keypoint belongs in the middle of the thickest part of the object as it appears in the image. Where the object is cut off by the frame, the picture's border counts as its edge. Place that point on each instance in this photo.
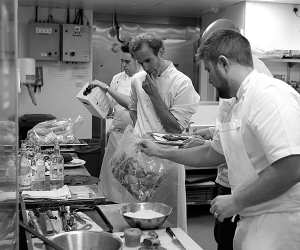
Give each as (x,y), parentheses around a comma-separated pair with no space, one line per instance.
(61,193)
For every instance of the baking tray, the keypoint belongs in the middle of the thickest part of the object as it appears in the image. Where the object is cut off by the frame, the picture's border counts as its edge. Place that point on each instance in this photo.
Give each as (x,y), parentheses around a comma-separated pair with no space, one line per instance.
(89,207)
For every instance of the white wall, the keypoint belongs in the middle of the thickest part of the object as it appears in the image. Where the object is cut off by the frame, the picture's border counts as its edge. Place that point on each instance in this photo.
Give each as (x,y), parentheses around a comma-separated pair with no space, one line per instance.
(61,81)
(270,26)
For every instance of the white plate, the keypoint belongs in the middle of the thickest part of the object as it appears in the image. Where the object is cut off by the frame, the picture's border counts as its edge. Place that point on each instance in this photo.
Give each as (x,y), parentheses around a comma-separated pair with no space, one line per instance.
(74,163)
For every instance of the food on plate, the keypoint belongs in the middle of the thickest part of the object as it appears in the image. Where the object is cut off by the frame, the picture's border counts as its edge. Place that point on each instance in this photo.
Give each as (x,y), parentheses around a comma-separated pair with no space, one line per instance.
(171,137)
(132,237)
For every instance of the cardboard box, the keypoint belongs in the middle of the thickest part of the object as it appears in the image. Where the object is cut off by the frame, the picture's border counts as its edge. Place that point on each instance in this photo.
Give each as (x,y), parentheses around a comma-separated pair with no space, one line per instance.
(96,101)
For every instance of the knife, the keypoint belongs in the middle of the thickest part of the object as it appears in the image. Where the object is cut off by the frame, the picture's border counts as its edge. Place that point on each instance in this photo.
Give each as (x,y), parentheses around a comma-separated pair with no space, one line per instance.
(174,238)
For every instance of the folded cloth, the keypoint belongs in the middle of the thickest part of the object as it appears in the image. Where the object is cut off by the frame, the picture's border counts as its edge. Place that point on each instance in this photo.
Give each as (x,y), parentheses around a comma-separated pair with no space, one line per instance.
(7,195)
(82,192)
(61,193)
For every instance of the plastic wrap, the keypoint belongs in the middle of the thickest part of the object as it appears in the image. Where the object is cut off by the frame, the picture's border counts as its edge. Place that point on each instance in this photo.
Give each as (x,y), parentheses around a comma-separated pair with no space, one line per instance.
(140,174)
(49,132)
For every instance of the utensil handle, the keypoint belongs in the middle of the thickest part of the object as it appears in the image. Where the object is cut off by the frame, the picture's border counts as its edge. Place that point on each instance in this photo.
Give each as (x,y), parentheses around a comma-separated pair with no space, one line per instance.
(170,232)
(41,237)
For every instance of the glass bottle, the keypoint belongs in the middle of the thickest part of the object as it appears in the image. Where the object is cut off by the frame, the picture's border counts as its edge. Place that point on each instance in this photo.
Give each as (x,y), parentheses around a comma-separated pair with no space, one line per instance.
(25,169)
(38,170)
(56,169)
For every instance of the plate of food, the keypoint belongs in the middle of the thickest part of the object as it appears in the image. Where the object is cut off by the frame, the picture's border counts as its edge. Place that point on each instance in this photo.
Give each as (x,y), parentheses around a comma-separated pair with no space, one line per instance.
(170,139)
(74,163)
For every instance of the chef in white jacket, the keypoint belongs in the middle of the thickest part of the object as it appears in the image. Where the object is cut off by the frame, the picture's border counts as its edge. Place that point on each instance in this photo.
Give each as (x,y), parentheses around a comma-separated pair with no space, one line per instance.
(119,89)
(162,99)
(260,139)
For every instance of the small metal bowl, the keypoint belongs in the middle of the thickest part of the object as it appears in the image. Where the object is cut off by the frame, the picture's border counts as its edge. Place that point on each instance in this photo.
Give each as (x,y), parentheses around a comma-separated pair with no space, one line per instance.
(78,240)
(146,223)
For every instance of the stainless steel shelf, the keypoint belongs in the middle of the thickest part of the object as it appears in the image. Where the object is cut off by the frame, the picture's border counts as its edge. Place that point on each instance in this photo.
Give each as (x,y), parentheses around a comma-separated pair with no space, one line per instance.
(283,60)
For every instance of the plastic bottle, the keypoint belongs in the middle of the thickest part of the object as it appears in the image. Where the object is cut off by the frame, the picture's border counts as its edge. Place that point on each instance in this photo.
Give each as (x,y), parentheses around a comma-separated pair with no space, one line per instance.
(25,169)
(56,169)
(38,170)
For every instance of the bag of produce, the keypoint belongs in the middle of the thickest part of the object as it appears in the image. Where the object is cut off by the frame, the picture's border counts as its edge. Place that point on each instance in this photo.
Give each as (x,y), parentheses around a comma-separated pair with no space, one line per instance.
(49,132)
(140,174)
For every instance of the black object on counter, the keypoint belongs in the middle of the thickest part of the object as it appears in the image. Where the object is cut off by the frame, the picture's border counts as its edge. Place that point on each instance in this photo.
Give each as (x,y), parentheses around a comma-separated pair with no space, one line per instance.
(67,157)
(174,238)
(92,154)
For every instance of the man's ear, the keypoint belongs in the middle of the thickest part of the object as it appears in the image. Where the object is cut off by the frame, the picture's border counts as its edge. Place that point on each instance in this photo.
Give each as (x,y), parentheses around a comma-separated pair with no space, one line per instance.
(223,62)
(161,52)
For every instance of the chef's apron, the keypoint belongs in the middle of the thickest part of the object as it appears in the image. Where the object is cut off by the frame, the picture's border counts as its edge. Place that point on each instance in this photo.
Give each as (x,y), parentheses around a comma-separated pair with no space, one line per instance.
(121,119)
(171,191)
(253,232)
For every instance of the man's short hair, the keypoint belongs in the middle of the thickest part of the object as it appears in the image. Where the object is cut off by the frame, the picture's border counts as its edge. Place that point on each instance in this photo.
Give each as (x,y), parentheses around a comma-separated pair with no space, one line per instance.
(228,43)
(151,40)
(125,47)
(219,24)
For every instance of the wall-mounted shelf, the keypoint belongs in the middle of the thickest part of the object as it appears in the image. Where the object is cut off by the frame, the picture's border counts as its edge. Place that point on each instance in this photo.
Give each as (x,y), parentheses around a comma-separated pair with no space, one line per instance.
(290,62)
(284,60)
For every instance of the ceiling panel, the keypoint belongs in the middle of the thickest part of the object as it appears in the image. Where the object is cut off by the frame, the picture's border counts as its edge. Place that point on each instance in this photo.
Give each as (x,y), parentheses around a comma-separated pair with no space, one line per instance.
(188,8)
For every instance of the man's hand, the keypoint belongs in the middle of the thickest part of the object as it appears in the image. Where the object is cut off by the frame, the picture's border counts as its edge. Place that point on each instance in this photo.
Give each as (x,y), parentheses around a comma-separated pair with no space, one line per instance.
(205,133)
(194,142)
(101,85)
(224,206)
(150,148)
(149,87)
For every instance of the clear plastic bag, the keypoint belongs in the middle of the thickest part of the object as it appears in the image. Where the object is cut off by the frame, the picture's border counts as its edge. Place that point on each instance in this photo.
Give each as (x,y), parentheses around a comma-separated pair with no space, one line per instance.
(49,132)
(138,173)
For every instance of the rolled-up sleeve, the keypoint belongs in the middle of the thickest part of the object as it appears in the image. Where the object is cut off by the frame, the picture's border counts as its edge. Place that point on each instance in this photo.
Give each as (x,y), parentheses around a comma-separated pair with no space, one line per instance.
(215,143)
(185,103)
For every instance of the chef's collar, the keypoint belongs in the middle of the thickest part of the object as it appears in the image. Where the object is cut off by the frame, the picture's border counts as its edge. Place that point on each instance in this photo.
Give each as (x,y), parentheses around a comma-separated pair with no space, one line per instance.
(167,69)
(244,85)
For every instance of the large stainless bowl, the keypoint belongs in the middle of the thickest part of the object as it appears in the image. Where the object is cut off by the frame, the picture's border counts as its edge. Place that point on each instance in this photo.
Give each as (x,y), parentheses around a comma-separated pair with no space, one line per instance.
(83,240)
(146,223)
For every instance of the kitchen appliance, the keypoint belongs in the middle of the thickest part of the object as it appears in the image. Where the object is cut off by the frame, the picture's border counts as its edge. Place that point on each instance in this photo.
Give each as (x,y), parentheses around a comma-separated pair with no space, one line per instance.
(44,40)
(26,74)
(76,40)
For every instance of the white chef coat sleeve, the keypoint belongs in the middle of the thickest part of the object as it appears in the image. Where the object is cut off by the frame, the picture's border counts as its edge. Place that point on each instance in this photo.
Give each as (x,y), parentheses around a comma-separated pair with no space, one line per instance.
(274,119)
(113,85)
(185,102)
(216,142)
(133,96)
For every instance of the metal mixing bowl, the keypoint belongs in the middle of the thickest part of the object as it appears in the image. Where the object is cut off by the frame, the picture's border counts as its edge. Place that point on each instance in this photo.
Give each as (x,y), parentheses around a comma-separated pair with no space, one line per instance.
(82,240)
(146,223)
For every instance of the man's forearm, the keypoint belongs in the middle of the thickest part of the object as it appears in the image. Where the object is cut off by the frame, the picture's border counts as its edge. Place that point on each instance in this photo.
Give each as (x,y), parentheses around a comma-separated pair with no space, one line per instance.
(122,99)
(166,118)
(200,156)
(271,183)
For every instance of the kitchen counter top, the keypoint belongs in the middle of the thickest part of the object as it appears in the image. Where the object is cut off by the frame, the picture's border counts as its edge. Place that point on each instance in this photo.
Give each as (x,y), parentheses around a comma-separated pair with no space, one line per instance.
(112,212)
